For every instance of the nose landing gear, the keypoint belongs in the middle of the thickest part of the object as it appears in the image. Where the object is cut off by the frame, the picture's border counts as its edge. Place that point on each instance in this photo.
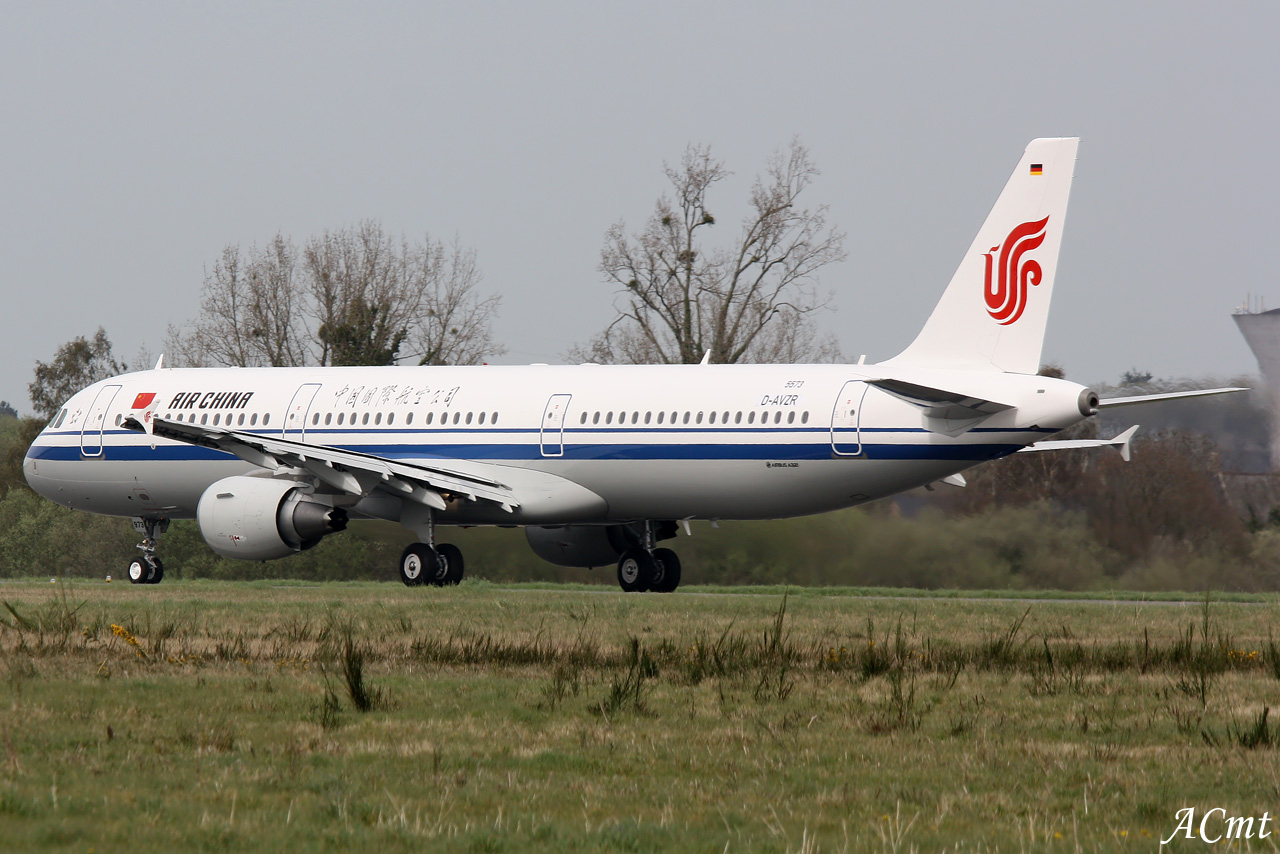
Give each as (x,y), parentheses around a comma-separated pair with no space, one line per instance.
(147,568)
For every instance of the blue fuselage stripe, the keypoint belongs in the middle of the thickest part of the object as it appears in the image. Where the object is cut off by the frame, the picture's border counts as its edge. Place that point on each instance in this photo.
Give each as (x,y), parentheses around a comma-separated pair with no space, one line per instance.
(571,451)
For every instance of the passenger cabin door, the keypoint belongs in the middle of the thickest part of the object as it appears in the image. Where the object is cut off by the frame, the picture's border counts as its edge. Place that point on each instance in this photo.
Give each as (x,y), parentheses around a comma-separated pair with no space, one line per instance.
(846,435)
(552,439)
(95,423)
(295,419)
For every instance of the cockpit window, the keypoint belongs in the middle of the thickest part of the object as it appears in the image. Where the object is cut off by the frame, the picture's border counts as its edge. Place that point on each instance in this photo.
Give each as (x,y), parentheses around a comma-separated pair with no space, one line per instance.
(57,422)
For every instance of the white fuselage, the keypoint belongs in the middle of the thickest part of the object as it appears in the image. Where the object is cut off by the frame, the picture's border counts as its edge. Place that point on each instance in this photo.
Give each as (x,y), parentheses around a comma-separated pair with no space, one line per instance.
(631,442)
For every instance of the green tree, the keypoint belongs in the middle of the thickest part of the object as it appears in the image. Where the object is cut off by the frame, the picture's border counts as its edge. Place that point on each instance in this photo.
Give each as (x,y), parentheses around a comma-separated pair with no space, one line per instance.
(77,364)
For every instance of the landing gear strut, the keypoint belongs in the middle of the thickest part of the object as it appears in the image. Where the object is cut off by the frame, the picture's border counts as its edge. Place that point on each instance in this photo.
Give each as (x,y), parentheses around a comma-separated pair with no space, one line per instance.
(645,568)
(147,568)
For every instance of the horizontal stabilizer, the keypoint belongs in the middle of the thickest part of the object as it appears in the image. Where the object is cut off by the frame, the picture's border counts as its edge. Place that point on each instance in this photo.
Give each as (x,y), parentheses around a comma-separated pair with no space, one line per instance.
(1121,442)
(950,413)
(1137,400)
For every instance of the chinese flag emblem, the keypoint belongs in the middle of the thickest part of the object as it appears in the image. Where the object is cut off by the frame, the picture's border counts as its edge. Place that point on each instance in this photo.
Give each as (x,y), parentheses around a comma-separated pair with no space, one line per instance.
(143,400)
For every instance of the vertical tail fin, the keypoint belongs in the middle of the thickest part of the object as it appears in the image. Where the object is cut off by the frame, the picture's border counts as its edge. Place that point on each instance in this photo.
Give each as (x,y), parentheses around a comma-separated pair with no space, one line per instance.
(993,314)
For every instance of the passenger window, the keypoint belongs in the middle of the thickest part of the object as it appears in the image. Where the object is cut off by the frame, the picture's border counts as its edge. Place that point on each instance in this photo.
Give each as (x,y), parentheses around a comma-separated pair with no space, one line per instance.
(699,419)
(777,417)
(377,419)
(635,417)
(712,419)
(647,416)
(724,419)
(457,416)
(751,417)
(804,417)
(119,418)
(341,417)
(686,418)
(240,420)
(408,419)
(791,417)
(328,419)
(266,419)
(430,417)
(204,419)
(216,419)
(608,417)
(468,417)
(482,417)
(660,414)
(494,418)
(391,419)
(253,420)
(315,419)
(365,419)
(737,419)
(583,419)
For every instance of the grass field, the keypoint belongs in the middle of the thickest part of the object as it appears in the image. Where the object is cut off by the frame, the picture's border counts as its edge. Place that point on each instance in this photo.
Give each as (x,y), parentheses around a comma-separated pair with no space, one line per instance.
(371,717)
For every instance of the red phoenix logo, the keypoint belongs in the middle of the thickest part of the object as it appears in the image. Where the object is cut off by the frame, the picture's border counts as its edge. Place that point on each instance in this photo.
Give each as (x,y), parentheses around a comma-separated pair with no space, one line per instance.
(1007,295)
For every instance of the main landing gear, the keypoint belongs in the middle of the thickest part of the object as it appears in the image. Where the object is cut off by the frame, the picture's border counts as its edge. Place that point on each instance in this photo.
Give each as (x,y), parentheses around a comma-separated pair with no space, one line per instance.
(644,568)
(434,565)
(429,563)
(147,568)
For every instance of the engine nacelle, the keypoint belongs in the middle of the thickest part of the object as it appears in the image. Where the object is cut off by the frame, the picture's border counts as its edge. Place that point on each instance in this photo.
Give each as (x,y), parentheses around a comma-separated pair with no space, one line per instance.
(260,518)
(581,545)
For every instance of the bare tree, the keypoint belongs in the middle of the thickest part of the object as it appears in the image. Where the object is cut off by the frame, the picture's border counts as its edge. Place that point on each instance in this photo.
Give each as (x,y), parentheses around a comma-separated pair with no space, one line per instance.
(353,296)
(249,311)
(372,295)
(751,301)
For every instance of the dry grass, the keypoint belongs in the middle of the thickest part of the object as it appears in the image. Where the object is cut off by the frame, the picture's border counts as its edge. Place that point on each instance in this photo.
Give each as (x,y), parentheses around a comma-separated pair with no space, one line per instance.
(364,716)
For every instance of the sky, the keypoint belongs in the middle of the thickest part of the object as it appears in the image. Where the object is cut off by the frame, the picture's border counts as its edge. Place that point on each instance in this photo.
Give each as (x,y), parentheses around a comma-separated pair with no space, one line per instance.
(138,140)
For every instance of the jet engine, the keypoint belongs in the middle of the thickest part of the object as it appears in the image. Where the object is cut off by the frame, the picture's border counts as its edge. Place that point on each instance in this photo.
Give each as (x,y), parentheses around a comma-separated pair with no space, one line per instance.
(259,518)
(590,545)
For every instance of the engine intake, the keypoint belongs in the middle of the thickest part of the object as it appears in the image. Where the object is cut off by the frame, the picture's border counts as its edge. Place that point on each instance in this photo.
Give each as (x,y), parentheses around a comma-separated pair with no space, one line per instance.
(258,518)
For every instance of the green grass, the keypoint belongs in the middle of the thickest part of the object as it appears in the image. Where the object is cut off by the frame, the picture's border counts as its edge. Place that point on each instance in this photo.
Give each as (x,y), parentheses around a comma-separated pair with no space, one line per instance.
(363,716)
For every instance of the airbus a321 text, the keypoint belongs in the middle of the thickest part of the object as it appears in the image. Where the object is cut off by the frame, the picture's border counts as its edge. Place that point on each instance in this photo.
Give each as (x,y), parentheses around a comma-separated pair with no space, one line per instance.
(599,464)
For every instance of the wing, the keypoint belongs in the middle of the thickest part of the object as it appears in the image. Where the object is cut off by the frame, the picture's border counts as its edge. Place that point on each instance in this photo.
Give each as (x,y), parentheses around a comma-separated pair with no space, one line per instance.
(349,472)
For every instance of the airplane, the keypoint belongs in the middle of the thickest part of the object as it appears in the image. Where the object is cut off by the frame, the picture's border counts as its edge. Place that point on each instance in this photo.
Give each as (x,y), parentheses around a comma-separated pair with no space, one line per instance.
(599,464)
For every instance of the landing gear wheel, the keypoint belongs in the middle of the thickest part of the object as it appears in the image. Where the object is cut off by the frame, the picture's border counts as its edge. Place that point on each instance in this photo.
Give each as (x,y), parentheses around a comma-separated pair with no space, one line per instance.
(636,570)
(418,564)
(138,571)
(451,555)
(668,571)
(155,570)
